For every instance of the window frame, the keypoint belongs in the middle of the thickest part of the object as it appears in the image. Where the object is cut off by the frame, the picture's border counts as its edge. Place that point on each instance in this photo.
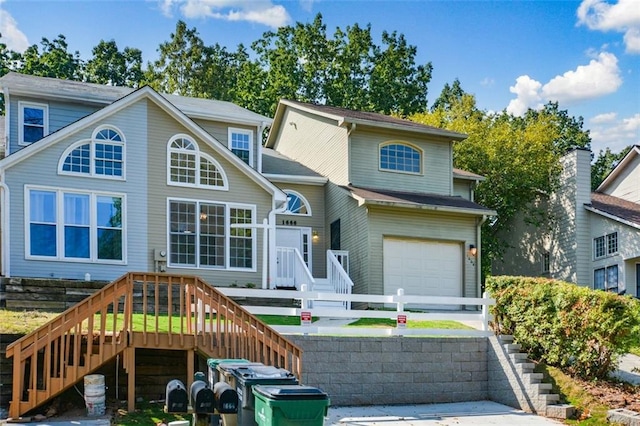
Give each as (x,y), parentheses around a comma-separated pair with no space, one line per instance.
(199,157)
(606,271)
(61,225)
(605,245)
(302,199)
(92,155)
(419,151)
(21,124)
(545,262)
(247,132)
(228,206)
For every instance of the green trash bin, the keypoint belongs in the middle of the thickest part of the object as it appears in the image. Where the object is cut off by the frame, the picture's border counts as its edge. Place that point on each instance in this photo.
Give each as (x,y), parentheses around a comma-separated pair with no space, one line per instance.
(212,368)
(290,405)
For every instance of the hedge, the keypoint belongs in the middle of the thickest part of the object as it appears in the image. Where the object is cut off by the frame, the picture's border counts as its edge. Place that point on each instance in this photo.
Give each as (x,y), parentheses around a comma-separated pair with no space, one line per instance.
(580,330)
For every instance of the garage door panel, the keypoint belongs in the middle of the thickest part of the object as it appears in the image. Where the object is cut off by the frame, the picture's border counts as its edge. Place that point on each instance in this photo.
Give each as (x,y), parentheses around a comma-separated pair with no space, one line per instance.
(426,268)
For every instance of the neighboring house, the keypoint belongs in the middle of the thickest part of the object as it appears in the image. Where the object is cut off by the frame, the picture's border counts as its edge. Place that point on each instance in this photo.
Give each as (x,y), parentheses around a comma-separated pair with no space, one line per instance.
(102,180)
(592,238)
(393,199)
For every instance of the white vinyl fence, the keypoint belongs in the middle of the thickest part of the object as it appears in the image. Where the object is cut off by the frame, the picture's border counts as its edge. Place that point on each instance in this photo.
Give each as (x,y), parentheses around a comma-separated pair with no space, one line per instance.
(465,309)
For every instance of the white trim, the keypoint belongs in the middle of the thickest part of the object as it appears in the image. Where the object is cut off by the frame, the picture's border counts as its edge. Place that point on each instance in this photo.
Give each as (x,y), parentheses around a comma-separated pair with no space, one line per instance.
(304,180)
(199,156)
(239,131)
(227,256)
(92,154)
(45,125)
(302,198)
(612,217)
(402,143)
(60,225)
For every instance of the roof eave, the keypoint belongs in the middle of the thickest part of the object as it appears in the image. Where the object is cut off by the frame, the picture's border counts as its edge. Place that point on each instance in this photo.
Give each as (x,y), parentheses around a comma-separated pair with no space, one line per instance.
(446,209)
(400,127)
(306,180)
(611,216)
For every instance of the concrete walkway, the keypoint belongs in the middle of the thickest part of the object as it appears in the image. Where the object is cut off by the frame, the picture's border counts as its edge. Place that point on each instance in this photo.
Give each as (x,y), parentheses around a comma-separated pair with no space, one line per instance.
(461,413)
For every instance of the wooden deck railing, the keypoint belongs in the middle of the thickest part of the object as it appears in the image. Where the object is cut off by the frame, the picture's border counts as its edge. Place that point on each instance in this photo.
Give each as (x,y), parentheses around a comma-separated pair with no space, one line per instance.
(139,310)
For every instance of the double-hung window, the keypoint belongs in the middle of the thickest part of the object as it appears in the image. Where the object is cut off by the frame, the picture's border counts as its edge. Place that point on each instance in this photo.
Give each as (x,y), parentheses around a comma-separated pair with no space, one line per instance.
(33,122)
(605,245)
(102,156)
(606,278)
(204,234)
(74,225)
(241,144)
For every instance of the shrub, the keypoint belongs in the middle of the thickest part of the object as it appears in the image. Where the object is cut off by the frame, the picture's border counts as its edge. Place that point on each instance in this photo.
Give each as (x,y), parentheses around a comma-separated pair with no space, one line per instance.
(581,330)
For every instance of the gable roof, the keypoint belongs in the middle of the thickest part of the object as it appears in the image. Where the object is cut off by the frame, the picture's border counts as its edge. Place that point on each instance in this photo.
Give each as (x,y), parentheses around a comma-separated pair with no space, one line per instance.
(635,151)
(145,92)
(344,116)
(615,208)
(102,95)
(280,168)
(417,200)
(463,174)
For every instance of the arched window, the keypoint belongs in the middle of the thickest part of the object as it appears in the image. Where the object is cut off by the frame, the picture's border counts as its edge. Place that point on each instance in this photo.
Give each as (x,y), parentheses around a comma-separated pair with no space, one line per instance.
(101,156)
(400,157)
(297,204)
(190,167)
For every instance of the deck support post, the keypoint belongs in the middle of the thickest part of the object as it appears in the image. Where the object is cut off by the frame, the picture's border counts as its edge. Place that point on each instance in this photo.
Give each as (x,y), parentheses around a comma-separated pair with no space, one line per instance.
(191,354)
(131,379)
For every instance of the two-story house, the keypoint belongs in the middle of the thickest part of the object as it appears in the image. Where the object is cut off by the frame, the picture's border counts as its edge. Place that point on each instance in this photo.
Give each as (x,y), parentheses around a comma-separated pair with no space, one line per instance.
(101,180)
(591,238)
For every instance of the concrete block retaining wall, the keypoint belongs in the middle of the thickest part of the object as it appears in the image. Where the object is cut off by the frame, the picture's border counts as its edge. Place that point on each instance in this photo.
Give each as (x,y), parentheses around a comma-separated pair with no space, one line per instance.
(395,370)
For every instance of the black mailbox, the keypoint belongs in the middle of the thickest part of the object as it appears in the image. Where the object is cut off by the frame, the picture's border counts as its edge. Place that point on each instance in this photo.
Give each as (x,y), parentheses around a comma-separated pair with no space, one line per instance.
(226,398)
(176,400)
(201,397)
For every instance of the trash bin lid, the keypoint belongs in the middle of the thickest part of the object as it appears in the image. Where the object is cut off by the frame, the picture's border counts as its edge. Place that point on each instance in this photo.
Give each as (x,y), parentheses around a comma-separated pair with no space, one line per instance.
(290,392)
(261,372)
(213,362)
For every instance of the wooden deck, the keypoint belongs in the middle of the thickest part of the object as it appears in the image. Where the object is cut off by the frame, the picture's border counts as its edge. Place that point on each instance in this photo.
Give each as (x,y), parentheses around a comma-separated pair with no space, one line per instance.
(139,310)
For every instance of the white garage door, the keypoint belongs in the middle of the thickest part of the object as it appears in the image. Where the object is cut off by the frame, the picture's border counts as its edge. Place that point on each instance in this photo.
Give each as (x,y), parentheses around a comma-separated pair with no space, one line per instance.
(425,268)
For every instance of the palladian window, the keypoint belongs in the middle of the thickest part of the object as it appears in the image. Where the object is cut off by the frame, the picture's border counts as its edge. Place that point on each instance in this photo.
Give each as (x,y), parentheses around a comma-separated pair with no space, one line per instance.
(187,166)
(101,156)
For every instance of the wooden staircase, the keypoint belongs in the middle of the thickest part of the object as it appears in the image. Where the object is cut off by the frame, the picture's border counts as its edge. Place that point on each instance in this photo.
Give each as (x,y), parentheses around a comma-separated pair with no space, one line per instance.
(139,310)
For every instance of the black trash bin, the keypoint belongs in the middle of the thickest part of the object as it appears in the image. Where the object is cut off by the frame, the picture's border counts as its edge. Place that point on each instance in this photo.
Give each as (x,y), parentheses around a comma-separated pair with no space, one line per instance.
(248,376)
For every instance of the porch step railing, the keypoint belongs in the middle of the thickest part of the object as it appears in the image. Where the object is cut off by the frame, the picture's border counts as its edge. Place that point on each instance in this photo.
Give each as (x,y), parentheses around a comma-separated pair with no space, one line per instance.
(169,311)
(291,269)
(337,275)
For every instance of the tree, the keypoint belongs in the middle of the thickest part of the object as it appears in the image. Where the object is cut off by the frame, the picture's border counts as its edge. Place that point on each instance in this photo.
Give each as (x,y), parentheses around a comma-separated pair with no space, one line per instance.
(54,61)
(518,156)
(604,164)
(181,65)
(8,61)
(111,66)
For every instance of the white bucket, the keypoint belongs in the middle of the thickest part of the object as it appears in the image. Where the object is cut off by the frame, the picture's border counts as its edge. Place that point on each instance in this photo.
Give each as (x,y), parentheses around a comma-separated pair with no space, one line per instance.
(94,395)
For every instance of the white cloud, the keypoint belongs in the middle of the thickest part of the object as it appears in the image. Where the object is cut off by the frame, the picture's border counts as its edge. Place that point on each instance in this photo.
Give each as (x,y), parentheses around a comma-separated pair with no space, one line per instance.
(527,92)
(488,82)
(11,34)
(623,16)
(257,11)
(598,78)
(616,134)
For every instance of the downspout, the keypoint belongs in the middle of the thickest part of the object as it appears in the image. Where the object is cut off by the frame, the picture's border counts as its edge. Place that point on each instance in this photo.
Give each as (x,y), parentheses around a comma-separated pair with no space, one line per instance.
(479,258)
(261,128)
(269,256)
(4,224)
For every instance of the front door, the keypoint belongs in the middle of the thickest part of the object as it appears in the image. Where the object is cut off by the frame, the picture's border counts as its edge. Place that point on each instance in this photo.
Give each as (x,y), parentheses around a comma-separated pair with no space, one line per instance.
(291,237)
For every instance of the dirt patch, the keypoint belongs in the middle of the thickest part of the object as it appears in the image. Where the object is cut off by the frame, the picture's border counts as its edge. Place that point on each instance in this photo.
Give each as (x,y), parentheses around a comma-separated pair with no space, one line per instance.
(614,394)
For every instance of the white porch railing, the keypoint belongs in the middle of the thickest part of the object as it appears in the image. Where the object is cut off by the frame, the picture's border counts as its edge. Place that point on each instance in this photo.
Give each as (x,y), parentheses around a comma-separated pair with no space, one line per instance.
(291,270)
(480,317)
(338,275)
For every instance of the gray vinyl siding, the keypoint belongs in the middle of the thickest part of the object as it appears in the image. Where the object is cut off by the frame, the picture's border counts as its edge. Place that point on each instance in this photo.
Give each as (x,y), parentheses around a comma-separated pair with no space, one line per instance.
(41,169)
(314,194)
(627,185)
(365,161)
(242,189)
(422,225)
(220,131)
(462,188)
(354,230)
(317,143)
(61,114)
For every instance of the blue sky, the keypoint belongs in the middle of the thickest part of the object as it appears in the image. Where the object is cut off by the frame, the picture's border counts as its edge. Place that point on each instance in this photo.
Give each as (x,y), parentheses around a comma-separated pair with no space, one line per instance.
(509,54)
